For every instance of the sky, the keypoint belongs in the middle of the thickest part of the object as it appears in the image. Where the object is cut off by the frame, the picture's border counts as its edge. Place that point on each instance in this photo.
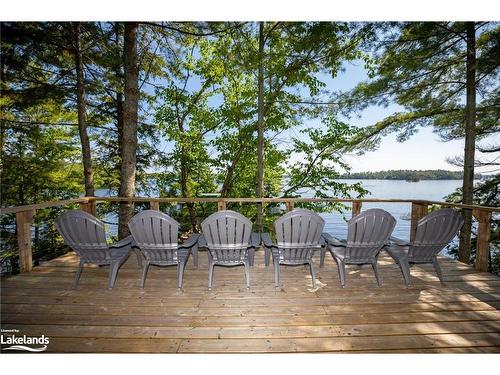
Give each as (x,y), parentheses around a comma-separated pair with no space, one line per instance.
(423,150)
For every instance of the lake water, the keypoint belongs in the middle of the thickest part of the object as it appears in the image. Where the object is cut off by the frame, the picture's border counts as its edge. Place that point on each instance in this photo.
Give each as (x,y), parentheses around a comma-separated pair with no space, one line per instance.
(434,190)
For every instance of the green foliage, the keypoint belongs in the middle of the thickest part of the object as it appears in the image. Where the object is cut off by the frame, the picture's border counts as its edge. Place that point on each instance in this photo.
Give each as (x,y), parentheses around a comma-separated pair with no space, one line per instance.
(208,111)
(319,153)
(38,164)
(41,152)
(421,67)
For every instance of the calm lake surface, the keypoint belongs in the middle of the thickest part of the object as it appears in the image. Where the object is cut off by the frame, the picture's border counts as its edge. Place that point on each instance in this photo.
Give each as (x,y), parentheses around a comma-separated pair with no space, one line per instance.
(336,224)
(434,190)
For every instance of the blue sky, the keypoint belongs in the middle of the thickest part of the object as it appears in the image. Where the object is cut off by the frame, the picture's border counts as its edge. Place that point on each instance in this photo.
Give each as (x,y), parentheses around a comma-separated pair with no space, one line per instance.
(423,150)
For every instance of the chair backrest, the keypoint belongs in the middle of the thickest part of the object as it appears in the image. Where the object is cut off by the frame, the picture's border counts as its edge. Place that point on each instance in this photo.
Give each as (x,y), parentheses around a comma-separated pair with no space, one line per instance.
(156,234)
(434,232)
(367,233)
(298,235)
(227,234)
(85,234)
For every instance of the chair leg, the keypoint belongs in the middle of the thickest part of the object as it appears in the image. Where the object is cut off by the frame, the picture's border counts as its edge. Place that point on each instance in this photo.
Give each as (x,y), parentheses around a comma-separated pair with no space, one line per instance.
(267,256)
(210,274)
(144,273)
(405,270)
(78,274)
(138,254)
(438,269)
(313,275)
(276,273)
(247,273)
(180,273)
(322,257)
(375,269)
(194,252)
(113,272)
(341,267)
(251,256)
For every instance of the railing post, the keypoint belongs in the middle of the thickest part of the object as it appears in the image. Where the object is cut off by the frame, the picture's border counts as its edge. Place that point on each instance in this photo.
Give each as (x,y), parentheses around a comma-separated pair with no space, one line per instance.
(418,211)
(483,239)
(289,206)
(88,206)
(23,225)
(221,205)
(356,207)
(154,205)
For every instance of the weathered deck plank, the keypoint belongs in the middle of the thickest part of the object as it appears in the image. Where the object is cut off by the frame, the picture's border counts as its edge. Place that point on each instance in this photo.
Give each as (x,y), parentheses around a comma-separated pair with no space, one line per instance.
(460,316)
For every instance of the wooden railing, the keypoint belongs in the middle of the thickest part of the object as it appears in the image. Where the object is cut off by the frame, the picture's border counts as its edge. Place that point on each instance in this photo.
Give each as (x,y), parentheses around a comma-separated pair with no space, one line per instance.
(419,208)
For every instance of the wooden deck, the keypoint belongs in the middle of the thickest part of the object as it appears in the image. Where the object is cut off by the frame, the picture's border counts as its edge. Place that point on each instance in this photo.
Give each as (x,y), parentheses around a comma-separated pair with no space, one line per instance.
(460,317)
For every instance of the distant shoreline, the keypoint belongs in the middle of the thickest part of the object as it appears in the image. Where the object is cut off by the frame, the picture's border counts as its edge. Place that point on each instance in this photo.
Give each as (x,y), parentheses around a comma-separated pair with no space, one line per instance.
(408,175)
(401,179)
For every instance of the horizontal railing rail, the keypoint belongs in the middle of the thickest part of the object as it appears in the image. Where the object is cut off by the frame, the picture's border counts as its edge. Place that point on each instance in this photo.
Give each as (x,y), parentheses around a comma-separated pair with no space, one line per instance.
(419,208)
(39,206)
(89,200)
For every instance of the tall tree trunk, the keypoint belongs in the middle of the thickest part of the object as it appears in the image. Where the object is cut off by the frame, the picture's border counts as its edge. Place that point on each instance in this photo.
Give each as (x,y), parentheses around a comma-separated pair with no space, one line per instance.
(119,121)
(470,143)
(82,123)
(185,172)
(228,180)
(260,128)
(119,93)
(129,139)
(184,186)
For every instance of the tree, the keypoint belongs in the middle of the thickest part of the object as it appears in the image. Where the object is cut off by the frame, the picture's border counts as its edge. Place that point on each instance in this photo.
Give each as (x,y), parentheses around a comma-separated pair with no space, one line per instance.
(470,141)
(56,79)
(296,56)
(129,138)
(260,125)
(186,118)
(433,70)
(82,124)
(216,107)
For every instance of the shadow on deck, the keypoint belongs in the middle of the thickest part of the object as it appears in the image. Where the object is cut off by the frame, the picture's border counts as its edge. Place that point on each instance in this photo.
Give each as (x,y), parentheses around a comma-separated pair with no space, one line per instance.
(461,316)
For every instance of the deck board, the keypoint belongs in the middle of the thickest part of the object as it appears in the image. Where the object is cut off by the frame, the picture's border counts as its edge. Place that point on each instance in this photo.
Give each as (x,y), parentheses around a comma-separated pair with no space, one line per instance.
(461,316)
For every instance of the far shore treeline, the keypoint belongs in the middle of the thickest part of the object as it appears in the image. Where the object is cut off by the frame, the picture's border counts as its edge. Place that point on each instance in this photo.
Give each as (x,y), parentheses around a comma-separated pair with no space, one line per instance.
(409,175)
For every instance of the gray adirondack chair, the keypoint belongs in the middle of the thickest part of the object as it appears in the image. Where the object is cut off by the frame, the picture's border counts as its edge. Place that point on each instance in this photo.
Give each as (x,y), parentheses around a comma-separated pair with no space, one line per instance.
(367,233)
(298,236)
(85,234)
(156,235)
(229,239)
(434,232)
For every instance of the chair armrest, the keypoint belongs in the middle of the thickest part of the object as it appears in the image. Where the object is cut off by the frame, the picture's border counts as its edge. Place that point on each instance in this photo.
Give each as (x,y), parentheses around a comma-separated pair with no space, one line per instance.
(127,241)
(398,242)
(322,240)
(332,241)
(121,249)
(255,240)
(266,240)
(202,242)
(191,241)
